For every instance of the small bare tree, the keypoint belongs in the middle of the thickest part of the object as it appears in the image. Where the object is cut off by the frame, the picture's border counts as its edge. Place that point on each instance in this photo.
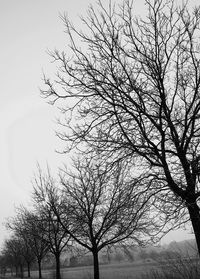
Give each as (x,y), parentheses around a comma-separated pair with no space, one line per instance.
(135,95)
(14,250)
(34,227)
(101,207)
(57,237)
(16,225)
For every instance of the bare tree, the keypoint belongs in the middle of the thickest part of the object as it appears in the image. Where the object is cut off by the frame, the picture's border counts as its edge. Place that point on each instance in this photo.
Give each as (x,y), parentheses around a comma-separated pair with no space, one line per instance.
(34,229)
(57,237)
(13,251)
(100,207)
(4,264)
(16,225)
(134,90)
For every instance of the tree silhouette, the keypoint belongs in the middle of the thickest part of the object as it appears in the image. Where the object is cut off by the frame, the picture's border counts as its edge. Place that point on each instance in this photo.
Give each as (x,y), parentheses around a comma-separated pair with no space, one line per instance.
(16,225)
(14,252)
(34,228)
(57,238)
(104,206)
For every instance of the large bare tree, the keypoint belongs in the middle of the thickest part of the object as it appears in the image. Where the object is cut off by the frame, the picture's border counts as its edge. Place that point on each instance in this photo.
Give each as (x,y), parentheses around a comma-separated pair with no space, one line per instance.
(133,85)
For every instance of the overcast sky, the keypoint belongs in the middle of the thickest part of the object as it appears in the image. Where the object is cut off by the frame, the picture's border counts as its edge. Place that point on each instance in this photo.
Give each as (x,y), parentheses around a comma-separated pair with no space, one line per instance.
(27,123)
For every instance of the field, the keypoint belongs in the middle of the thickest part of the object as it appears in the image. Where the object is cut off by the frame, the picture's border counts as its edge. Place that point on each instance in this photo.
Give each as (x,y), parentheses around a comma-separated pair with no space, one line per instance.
(111,271)
(179,268)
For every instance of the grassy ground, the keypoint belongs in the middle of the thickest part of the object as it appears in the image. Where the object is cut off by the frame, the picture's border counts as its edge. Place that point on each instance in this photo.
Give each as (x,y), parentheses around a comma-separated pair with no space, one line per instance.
(179,268)
(111,271)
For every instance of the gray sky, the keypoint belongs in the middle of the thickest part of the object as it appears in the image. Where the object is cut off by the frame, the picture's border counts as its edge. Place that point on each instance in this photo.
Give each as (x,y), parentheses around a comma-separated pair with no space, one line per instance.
(27,29)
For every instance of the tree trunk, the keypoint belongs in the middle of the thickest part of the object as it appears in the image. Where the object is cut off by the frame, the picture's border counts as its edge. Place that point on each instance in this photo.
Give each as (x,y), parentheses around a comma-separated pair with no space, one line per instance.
(39,269)
(21,271)
(16,270)
(96,263)
(195,219)
(57,256)
(28,269)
